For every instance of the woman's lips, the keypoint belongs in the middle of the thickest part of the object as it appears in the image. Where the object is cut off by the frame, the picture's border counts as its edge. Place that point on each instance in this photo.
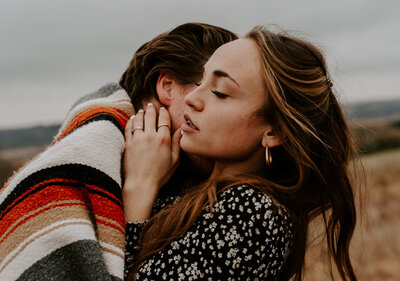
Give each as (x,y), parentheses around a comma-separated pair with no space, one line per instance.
(189,126)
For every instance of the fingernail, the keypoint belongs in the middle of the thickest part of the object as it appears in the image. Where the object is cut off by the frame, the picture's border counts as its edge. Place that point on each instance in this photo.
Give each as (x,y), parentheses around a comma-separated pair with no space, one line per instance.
(162,107)
(149,104)
(181,132)
(141,111)
(133,116)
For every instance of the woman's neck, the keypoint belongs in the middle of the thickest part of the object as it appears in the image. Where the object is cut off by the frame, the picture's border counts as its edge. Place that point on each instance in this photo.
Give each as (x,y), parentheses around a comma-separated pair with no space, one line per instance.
(224,168)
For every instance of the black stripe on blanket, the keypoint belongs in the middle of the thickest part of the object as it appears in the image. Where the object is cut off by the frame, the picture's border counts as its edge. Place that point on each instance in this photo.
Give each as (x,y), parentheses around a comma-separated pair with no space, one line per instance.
(81,260)
(82,173)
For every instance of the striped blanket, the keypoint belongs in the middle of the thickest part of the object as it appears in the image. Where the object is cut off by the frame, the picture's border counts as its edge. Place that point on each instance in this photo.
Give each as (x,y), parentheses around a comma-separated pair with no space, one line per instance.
(61,216)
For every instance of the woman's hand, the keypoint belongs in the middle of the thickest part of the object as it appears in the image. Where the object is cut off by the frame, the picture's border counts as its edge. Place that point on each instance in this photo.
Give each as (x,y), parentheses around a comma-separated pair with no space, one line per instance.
(151,157)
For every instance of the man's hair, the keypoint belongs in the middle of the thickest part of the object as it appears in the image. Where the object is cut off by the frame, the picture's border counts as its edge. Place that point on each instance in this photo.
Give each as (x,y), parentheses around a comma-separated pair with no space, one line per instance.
(181,53)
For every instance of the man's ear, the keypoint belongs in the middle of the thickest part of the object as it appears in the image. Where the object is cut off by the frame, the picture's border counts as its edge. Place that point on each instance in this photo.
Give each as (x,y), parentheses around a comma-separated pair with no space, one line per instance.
(270,139)
(164,88)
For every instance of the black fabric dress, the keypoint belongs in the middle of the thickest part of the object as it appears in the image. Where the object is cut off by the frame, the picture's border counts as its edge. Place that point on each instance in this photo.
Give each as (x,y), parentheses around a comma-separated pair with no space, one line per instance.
(248,237)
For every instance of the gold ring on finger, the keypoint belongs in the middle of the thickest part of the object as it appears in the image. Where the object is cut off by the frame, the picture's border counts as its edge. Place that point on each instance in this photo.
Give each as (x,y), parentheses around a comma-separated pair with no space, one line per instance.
(136,128)
(165,125)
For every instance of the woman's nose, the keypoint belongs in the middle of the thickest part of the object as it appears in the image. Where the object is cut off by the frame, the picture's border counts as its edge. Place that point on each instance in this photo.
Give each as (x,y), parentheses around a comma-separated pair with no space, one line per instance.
(194,99)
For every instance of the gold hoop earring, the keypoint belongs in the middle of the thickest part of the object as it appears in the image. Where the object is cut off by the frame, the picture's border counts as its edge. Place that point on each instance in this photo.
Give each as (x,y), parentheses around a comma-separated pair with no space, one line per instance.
(268,156)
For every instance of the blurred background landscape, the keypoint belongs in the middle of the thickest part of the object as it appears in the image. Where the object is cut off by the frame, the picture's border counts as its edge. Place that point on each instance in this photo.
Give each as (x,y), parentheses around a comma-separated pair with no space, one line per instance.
(376,246)
(53,52)
(375,249)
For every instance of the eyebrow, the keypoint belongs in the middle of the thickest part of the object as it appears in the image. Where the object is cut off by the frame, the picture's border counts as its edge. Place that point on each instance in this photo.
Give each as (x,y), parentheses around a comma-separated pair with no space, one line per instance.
(220,73)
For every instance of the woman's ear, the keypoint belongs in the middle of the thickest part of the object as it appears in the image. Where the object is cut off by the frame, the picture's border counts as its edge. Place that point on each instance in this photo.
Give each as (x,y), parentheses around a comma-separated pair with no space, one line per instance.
(164,88)
(270,139)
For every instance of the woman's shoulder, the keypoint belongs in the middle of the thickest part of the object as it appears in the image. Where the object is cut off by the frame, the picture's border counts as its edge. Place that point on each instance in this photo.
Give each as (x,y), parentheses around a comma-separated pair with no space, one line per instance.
(251,197)
(255,205)
(253,221)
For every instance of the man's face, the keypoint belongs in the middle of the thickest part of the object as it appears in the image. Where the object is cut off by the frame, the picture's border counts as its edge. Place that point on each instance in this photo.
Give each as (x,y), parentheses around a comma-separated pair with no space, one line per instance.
(176,108)
(189,162)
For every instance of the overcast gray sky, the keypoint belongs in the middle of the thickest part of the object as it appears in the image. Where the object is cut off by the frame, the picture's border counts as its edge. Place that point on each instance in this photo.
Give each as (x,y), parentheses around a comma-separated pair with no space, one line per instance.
(52,52)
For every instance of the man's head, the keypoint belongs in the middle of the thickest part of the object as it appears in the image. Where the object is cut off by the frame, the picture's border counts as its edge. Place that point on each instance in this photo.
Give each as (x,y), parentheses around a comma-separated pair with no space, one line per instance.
(167,67)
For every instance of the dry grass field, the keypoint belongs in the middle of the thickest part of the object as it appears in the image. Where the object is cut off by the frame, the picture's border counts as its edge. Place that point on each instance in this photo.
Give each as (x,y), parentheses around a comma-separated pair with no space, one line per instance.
(375,249)
(12,159)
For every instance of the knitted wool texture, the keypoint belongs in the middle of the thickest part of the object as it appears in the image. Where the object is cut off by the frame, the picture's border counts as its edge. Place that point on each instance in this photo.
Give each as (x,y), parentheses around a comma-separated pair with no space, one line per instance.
(61,215)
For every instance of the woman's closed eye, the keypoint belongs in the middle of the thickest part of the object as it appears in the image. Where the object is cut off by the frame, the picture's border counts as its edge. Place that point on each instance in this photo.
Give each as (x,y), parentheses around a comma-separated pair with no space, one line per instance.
(219,94)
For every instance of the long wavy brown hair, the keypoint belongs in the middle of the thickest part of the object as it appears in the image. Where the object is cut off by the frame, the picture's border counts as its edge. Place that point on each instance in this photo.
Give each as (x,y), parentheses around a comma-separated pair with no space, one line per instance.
(309,174)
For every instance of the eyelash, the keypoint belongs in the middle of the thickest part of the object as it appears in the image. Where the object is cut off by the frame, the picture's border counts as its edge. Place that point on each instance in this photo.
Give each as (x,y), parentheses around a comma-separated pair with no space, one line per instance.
(218,94)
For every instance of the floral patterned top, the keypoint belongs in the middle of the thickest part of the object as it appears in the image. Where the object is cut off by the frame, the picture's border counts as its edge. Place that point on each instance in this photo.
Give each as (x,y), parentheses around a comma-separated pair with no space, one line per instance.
(248,237)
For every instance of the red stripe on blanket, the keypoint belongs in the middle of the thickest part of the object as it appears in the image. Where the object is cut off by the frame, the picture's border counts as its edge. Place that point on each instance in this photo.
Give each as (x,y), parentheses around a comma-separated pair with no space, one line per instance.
(52,193)
(32,189)
(107,209)
(94,187)
(55,193)
(113,225)
(91,113)
(55,205)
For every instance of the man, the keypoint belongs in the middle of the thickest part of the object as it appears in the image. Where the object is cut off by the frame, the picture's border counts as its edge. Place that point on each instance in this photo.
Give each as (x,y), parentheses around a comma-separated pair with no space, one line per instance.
(61,215)
(165,69)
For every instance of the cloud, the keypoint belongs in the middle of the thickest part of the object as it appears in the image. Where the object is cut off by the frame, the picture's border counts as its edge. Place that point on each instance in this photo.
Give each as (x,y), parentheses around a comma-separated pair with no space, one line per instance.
(75,46)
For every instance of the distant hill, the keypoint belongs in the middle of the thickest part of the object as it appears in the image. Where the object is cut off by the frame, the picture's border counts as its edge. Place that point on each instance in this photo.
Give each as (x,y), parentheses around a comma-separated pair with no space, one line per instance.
(34,136)
(389,109)
(43,135)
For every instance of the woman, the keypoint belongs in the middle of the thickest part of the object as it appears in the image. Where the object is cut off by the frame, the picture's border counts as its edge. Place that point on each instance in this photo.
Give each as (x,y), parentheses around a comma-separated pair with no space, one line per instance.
(265,112)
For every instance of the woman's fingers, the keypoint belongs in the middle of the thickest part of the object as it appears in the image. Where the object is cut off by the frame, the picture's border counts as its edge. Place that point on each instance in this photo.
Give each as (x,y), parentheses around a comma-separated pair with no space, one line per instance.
(138,125)
(150,118)
(151,154)
(146,121)
(164,122)
(128,129)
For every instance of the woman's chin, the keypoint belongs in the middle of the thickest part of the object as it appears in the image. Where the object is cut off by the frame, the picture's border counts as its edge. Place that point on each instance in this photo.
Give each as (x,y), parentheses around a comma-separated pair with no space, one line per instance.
(187,148)
(186,145)
(190,148)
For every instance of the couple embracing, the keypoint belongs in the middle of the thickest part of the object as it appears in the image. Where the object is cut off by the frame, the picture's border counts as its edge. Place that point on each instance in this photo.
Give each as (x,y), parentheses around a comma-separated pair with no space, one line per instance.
(206,161)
